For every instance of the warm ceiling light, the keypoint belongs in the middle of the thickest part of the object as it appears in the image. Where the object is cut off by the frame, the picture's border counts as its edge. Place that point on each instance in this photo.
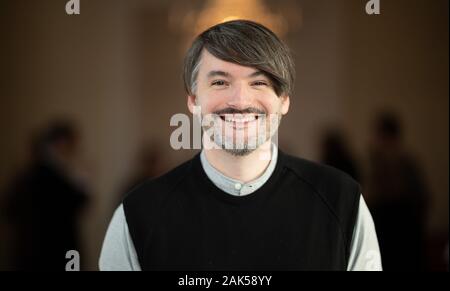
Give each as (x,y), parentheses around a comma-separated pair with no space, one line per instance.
(217,11)
(193,21)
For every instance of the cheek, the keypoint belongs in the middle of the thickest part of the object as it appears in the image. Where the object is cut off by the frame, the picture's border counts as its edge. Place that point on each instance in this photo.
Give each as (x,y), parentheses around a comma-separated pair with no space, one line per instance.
(207,104)
(271,105)
(269,101)
(212,102)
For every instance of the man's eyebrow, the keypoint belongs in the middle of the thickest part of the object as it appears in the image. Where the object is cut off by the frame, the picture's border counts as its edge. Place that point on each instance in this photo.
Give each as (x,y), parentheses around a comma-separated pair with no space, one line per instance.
(226,74)
(218,73)
(256,74)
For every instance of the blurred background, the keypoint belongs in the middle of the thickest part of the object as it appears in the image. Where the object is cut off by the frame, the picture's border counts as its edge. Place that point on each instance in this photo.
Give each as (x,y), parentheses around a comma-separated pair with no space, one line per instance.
(86,100)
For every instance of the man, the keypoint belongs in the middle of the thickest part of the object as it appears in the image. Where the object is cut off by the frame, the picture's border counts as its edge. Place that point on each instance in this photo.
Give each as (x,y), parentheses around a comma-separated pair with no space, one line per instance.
(231,208)
(46,200)
(399,196)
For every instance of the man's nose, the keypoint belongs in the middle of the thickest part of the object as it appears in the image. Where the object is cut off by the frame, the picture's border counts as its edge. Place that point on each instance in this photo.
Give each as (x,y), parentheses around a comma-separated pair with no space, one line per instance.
(240,97)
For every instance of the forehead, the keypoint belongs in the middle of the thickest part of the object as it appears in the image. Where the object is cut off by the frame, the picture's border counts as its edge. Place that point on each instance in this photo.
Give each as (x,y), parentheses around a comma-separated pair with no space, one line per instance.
(209,63)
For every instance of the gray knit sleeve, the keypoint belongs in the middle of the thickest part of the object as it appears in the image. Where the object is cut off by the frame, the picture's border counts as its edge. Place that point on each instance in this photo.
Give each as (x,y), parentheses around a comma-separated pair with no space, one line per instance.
(365,252)
(118,252)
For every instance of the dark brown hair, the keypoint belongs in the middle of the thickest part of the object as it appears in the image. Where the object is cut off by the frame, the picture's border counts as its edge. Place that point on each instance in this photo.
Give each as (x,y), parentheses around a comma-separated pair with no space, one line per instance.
(245,43)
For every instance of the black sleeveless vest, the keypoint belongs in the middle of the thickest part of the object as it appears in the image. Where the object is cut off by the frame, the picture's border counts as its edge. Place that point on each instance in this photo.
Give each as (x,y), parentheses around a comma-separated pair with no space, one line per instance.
(302,218)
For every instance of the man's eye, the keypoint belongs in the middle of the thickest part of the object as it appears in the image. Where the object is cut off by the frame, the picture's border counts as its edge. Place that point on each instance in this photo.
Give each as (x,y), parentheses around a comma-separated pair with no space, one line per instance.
(219,83)
(260,83)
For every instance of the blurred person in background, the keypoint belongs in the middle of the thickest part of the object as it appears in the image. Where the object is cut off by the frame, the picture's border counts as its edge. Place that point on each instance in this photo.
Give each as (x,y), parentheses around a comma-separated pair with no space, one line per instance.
(336,153)
(398,197)
(44,201)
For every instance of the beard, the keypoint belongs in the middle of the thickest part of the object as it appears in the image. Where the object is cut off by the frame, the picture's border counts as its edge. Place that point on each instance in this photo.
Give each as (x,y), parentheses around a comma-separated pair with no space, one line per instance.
(240,132)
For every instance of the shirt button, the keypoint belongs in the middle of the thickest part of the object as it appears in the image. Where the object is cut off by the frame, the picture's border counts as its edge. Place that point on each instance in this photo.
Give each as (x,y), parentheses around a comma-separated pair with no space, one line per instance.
(237,186)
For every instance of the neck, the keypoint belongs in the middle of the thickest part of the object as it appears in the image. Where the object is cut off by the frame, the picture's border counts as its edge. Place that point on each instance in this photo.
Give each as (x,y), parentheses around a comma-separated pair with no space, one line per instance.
(241,168)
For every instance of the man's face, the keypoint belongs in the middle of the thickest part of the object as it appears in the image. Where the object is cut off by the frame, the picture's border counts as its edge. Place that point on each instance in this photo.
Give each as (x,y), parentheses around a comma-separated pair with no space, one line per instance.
(240,101)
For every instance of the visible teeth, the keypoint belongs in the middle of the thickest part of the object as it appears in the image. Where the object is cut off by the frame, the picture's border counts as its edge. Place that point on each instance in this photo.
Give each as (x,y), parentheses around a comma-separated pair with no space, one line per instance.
(239,118)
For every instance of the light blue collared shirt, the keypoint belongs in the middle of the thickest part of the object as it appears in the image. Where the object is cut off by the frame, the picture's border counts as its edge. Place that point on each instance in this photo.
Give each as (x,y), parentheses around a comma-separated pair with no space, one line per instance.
(233,186)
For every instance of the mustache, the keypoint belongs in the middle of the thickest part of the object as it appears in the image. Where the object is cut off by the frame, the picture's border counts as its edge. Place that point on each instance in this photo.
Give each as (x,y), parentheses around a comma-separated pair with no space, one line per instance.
(248,110)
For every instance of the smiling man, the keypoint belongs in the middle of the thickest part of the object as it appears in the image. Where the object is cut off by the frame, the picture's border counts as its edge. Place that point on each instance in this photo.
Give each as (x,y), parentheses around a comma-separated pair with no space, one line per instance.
(242,204)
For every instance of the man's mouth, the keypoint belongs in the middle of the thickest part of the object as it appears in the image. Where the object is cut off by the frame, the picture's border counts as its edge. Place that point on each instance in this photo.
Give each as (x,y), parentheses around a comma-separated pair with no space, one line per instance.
(239,118)
(238,121)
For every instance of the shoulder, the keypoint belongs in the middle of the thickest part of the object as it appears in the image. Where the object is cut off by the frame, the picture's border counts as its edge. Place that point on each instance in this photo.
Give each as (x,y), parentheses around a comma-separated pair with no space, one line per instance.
(337,189)
(320,176)
(154,190)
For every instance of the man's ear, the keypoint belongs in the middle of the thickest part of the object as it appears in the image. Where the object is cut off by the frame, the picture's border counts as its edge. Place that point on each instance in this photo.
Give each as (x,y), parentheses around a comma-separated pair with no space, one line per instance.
(191,103)
(285,102)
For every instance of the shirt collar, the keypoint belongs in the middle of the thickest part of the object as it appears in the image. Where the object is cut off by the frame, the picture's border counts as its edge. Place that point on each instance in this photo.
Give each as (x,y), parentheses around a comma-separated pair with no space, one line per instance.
(236,187)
